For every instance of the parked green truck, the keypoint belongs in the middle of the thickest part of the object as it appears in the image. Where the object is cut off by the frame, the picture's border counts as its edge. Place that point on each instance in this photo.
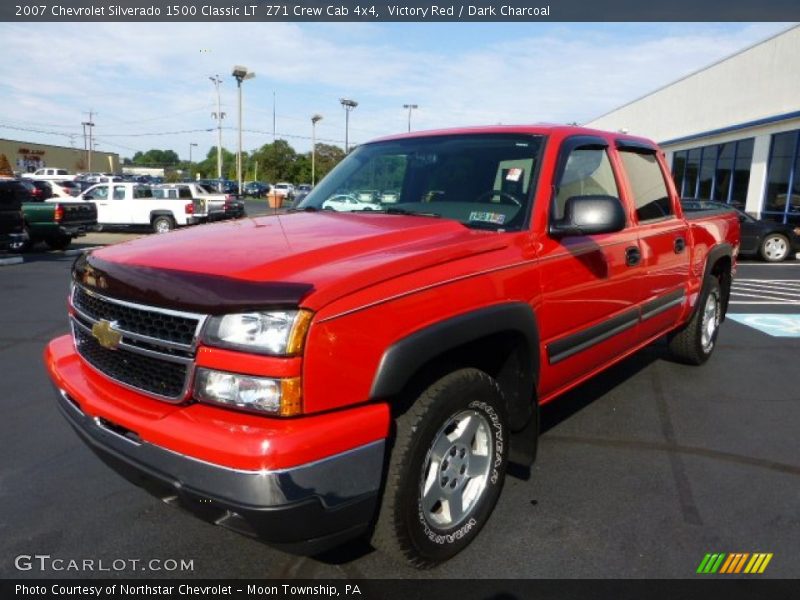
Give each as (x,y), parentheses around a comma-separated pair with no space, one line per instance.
(58,223)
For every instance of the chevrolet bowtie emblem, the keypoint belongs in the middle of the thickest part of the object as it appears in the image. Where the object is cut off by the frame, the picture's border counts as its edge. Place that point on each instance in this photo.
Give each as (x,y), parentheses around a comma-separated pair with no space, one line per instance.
(105,334)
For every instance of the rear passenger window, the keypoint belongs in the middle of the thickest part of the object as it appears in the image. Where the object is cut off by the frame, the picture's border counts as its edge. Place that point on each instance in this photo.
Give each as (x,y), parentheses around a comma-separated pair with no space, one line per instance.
(588,172)
(650,194)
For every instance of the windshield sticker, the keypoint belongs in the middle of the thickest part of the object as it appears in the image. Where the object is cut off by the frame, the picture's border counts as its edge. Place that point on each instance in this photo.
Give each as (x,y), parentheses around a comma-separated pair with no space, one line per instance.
(487,217)
(514,174)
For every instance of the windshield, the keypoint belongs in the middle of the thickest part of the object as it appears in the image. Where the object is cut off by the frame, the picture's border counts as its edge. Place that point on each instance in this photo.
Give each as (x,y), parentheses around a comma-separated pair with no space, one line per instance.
(482,180)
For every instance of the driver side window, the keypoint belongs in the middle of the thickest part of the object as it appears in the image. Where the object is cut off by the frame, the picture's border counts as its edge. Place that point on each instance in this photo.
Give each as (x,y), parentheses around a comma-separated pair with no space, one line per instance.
(588,173)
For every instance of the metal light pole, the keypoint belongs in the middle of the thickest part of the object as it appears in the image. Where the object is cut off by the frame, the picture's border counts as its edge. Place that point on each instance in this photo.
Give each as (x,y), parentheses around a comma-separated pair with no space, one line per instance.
(191,145)
(348,105)
(219,115)
(314,120)
(410,107)
(241,74)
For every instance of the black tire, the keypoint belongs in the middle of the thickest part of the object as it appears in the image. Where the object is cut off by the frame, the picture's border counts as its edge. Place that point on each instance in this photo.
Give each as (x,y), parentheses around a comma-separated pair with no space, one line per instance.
(28,244)
(163,224)
(407,529)
(775,247)
(60,242)
(689,345)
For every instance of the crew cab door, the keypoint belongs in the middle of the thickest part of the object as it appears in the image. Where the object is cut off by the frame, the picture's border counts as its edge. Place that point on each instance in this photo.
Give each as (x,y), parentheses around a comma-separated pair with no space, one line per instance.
(590,283)
(106,210)
(663,236)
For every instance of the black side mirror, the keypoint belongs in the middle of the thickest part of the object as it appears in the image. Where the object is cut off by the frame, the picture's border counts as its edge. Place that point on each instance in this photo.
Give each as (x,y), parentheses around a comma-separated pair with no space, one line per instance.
(589,215)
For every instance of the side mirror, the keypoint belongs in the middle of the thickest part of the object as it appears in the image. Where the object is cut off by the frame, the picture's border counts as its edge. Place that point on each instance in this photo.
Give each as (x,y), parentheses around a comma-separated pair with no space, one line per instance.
(88,197)
(589,215)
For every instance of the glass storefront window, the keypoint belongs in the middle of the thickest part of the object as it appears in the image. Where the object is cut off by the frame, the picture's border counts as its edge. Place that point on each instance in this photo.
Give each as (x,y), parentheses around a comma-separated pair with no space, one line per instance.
(678,166)
(708,167)
(781,172)
(722,185)
(741,173)
(692,171)
(718,172)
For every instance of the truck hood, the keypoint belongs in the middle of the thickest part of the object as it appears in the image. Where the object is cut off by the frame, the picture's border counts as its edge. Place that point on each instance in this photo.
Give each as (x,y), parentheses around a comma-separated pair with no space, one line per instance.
(307,259)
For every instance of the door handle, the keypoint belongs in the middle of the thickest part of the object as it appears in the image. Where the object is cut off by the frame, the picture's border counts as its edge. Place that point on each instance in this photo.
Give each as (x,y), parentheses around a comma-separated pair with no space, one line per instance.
(632,256)
(680,245)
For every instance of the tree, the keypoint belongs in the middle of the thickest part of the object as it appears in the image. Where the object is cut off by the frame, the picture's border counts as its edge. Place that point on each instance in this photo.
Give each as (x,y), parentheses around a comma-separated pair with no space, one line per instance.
(275,161)
(328,156)
(156,158)
(208,166)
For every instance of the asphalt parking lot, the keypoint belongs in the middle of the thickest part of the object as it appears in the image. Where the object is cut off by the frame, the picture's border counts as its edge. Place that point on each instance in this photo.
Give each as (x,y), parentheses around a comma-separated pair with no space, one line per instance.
(641,471)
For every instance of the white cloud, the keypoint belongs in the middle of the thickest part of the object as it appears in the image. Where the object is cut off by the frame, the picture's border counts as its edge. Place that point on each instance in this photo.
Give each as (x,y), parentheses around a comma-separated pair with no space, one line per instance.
(154,77)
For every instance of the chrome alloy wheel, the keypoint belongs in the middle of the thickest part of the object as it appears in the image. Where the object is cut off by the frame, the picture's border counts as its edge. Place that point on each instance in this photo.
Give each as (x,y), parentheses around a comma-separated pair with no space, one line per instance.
(776,248)
(162,226)
(710,322)
(456,469)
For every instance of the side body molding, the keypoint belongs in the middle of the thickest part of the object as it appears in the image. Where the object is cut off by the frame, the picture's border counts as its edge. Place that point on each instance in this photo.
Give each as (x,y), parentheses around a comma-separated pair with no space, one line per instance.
(404,358)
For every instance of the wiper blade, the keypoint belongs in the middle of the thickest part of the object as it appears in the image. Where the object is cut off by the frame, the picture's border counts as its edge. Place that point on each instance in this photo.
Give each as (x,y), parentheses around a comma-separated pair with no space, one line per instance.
(403,211)
(304,209)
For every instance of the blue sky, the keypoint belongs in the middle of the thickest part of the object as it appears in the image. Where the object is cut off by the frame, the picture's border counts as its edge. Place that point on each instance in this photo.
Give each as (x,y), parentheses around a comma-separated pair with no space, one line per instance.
(148,83)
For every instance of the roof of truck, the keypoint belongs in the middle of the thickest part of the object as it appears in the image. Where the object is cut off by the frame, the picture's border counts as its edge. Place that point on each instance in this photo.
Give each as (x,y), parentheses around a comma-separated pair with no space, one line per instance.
(535,129)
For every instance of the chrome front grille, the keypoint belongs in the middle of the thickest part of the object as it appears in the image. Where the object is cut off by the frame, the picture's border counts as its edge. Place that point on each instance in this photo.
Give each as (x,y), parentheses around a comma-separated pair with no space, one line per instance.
(155,353)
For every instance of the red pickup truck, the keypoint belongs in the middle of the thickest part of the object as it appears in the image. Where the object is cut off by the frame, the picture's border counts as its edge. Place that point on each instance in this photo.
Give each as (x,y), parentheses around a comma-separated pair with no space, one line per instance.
(326,374)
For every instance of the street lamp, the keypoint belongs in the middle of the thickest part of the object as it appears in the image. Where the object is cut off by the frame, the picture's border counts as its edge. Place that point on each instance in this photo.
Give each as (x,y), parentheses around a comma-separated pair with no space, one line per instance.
(314,120)
(410,107)
(191,145)
(240,73)
(348,105)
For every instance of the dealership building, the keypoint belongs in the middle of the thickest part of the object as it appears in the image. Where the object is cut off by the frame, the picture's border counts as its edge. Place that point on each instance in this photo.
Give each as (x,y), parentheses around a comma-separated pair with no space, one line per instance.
(26,157)
(731,131)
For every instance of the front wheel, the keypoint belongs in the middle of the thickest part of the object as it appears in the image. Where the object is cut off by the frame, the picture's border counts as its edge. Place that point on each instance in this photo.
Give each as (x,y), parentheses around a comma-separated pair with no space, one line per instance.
(774,248)
(696,341)
(446,470)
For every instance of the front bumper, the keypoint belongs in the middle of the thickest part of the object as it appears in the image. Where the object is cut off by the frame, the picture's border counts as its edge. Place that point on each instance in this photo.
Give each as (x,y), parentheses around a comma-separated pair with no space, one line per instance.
(306,508)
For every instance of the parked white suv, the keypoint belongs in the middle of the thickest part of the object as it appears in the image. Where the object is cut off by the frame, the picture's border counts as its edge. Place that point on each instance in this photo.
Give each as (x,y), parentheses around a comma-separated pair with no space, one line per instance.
(50,175)
(283,189)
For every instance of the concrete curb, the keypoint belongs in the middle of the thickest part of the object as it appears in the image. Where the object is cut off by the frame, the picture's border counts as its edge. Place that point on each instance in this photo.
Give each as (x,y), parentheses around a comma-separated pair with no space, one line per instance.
(11,260)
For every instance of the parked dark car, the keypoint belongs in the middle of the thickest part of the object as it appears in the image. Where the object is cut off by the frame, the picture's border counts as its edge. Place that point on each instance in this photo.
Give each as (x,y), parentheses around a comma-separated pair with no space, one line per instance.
(256,189)
(222,186)
(12,226)
(38,190)
(301,191)
(769,240)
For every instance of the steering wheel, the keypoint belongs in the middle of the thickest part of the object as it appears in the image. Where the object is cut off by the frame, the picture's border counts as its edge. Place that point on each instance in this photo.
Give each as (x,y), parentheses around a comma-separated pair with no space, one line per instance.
(507,195)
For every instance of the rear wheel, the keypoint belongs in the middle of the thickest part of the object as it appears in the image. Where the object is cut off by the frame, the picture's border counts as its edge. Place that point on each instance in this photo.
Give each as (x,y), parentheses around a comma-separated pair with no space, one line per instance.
(28,244)
(446,470)
(774,247)
(695,343)
(60,242)
(163,224)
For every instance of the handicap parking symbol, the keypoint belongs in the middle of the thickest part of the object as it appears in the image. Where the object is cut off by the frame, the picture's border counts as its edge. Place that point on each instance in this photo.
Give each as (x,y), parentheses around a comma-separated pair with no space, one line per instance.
(771,324)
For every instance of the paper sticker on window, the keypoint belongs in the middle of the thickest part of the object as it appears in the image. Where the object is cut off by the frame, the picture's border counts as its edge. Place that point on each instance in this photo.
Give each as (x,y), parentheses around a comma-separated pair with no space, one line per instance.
(488,217)
(514,174)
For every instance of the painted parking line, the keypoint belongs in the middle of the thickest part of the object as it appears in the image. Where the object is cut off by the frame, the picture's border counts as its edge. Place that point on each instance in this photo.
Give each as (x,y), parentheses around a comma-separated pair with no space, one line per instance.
(771,324)
(765,291)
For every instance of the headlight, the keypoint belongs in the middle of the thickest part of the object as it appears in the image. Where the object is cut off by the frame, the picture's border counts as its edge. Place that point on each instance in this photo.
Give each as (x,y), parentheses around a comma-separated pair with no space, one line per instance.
(281,397)
(280,333)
